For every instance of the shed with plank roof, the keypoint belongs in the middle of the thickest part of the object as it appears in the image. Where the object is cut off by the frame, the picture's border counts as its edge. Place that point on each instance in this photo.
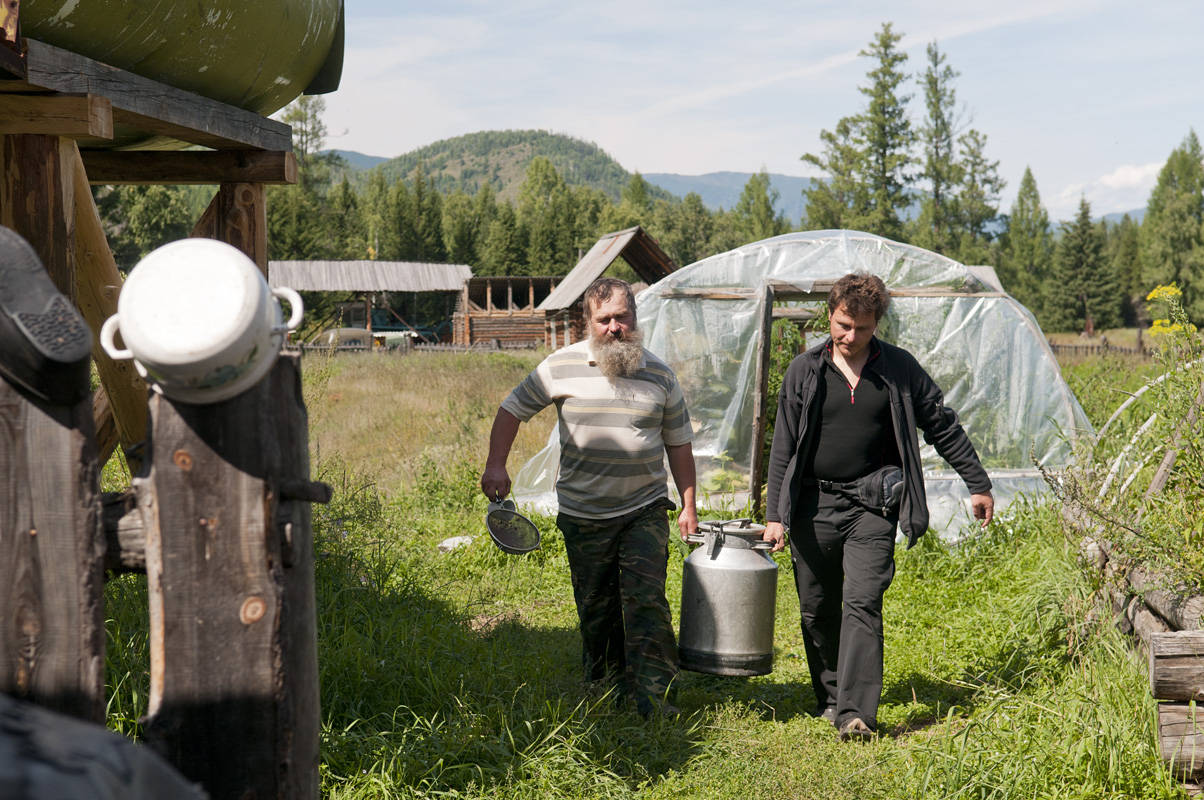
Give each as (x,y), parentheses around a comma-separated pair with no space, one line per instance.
(563,311)
(374,282)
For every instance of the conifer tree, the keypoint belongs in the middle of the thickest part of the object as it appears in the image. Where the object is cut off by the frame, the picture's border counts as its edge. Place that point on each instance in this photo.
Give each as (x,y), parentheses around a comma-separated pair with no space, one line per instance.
(1172,233)
(1028,249)
(755,209)
(977,197)
(1084,284)
(1124,253)
(937,227)
(842,199)
(545,215)
(886,137)
(505,250)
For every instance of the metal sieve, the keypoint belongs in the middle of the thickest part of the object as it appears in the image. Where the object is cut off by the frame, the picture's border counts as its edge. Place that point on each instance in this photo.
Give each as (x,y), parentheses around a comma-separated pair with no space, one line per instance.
(511,531)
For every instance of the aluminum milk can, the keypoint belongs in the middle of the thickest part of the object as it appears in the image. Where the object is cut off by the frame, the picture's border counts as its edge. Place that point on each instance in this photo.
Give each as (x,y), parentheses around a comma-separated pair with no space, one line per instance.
(728,593)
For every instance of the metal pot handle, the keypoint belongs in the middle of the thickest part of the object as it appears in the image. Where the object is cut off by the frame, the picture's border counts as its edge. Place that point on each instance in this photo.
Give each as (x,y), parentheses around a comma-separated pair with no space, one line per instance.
(107,333)
(295,303)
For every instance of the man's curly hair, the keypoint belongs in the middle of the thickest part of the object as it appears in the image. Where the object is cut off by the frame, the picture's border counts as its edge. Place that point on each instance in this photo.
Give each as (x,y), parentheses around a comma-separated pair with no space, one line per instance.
(860,293)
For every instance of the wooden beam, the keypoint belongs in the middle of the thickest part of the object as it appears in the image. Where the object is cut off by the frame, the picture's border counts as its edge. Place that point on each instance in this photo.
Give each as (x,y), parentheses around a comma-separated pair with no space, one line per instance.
(37,200)
(144,167)
(760,401)
(153,107)
(71,115)
(237,215)
(98,284)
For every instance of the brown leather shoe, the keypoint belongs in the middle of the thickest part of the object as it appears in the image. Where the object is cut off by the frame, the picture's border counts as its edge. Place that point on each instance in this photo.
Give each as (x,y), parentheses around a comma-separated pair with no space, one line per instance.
(855,729)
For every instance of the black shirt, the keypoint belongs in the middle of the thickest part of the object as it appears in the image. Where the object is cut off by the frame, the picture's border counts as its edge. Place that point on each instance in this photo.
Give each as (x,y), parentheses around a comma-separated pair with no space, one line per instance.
(855,434)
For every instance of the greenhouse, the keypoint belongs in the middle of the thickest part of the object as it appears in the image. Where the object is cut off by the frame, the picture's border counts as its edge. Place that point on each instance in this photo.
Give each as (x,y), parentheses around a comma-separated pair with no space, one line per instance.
(711,320)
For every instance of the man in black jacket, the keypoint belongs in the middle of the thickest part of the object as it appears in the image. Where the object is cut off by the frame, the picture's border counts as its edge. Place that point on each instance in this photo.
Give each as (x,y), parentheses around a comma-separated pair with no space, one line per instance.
(847,409)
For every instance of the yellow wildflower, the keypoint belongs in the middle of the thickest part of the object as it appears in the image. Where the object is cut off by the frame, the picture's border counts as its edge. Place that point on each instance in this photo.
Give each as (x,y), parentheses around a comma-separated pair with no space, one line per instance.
(1164,292)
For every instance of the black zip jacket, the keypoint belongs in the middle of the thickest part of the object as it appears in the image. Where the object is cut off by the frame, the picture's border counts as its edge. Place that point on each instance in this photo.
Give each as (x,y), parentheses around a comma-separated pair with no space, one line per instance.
(915,402)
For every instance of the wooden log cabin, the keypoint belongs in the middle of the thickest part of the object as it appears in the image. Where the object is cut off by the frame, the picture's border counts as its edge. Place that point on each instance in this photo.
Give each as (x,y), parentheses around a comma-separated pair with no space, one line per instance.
(503,310)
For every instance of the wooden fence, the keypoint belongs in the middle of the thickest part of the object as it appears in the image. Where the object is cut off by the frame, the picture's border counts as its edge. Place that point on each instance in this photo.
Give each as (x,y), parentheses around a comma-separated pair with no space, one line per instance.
(219,520)
(1089,350)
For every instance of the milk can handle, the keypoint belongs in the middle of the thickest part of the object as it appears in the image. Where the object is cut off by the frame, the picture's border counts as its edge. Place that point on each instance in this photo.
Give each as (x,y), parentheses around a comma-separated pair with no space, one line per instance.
(107,332)
(294,302)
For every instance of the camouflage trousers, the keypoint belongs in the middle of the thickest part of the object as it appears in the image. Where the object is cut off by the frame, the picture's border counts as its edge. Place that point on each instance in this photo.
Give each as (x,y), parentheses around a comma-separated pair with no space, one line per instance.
(618,570)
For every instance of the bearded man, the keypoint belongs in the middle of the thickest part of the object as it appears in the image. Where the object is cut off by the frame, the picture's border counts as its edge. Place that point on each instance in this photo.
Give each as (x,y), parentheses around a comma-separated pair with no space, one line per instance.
(621,414)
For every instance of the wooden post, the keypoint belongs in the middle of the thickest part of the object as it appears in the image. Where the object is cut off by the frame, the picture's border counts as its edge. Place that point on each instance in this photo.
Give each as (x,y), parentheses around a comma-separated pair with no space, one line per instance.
(237,215)
(229,559)
(52,638)
(757,468)
(37,200)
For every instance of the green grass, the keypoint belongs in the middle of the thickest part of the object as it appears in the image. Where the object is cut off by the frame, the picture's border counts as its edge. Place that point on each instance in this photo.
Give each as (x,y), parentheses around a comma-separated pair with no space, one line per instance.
(457,674)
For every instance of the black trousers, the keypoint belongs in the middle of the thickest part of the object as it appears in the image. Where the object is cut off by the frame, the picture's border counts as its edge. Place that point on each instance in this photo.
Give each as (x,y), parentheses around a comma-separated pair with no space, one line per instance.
(844,560)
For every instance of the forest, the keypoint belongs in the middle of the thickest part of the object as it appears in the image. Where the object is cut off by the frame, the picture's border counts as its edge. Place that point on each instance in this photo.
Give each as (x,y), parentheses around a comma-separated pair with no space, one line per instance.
(909,167)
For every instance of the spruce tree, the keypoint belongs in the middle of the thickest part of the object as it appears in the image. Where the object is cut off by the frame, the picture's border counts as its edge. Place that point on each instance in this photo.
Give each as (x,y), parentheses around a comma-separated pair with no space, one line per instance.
(505,250)
(1172,233)
(977,197)
(937,227)
(755,209)
(1123,252)
(841,200)
(1084,284)
(886,137)
(1029,247)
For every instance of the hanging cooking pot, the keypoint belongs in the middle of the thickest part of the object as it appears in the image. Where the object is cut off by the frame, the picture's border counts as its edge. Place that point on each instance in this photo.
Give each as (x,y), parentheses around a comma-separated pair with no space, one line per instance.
(728,591)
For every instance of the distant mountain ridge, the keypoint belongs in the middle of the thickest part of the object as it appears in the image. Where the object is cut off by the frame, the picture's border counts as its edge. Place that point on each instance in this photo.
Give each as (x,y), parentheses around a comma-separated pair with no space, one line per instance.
(502,157)
(723,189)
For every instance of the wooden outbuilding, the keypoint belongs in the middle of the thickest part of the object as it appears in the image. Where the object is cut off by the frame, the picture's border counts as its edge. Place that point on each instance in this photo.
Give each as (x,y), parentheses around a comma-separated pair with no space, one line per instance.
(374,282)
(564,321)
(502,309)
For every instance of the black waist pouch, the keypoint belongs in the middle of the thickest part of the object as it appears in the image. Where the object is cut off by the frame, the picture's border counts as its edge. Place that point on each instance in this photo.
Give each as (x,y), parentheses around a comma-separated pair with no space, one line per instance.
(881,490)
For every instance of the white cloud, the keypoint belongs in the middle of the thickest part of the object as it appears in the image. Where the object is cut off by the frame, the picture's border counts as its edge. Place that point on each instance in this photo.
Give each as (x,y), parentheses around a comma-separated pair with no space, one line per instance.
(1123,189)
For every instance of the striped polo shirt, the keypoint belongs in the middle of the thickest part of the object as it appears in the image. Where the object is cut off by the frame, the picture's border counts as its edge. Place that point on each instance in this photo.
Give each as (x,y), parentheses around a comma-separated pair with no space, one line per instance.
(613,432)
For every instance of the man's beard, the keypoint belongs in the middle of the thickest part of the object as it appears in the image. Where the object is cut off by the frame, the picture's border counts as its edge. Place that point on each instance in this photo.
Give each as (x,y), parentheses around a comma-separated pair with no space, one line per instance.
(619,358)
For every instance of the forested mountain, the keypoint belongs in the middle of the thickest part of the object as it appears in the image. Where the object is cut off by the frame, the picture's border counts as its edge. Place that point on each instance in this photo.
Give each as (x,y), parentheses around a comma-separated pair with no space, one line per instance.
(532,202)
(722,190)
(502,158)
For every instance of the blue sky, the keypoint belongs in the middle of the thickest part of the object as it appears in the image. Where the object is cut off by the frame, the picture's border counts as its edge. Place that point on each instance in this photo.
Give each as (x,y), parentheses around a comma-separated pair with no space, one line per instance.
(1092,96)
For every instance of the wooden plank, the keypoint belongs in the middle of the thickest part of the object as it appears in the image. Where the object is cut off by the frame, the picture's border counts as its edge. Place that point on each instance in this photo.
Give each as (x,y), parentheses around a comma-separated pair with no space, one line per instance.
(760,401)
(154,107)
(234,692)
(98,283)
(1181,739)
(717,293)
(1177,666)
(237,215)
(59,115)
(52,641)
(37,200)
(144,167)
